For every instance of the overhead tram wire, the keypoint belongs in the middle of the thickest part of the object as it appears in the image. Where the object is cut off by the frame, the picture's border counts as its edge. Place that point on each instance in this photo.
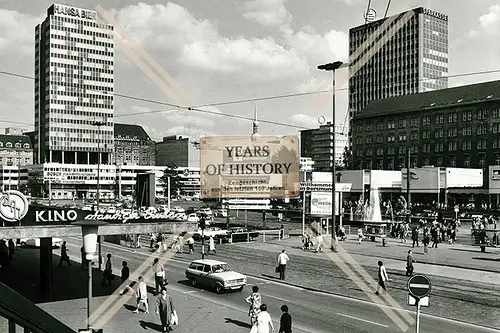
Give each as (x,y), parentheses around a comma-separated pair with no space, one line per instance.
(240,101)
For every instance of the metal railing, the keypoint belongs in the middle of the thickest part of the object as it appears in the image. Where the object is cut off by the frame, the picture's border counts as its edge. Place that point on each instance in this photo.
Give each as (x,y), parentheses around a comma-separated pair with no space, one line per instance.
(20,311)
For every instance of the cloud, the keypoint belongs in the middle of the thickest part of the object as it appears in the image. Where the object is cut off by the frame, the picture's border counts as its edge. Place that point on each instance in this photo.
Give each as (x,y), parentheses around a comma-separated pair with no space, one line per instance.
(305,120)
(269,13)
(489,24)
(197,45)
(17,31)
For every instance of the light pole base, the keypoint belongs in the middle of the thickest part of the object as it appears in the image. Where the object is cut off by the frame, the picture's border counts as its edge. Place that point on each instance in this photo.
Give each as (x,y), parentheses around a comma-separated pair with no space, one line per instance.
(334,244)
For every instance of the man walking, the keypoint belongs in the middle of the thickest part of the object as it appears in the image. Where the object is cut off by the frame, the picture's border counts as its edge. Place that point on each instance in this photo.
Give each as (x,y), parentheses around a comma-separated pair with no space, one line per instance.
(282,260)
(211,245)
(434,236)
(190,242)
(285,321)
(382,277)
(159,275)
(414,236)
(409,263)
(64,255)
(142,296)
(107,275)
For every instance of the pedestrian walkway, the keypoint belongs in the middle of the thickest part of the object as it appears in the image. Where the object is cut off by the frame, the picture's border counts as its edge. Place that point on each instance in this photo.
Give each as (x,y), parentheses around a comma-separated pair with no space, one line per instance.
(455,261)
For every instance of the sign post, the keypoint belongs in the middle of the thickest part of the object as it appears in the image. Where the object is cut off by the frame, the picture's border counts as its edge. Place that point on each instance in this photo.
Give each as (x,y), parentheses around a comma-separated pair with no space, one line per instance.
(419,288)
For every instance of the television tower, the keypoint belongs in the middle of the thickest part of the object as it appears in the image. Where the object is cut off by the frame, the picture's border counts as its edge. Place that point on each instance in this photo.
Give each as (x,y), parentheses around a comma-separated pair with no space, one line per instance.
(255,125)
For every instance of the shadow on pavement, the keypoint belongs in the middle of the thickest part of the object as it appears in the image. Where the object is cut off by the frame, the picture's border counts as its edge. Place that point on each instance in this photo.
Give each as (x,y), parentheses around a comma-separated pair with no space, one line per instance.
(147,324)
(237,323)
(68,282)
(465,250)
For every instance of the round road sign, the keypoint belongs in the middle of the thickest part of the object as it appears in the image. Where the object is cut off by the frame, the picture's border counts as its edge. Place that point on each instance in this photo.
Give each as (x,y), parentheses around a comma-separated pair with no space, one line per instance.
(419,286)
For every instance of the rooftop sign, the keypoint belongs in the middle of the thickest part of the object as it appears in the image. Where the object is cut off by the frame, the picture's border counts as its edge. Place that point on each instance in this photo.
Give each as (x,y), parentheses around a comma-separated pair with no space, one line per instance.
(63,10)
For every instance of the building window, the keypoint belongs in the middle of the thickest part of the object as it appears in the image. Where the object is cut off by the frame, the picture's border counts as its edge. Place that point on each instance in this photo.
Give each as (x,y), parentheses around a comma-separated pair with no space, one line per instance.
(402,123)
(426,148)
(482,144)
(439,134)
(391,125)
(380,164)
(402,162)
(467,116)
(495,128)
(439,119)
(402,137)
(481,114)
(8,145)
(390,150)
(482,129)
(481,160)
(438,147)
(497,159)
(467,161)
(467,145)
(452,146)
(439,161)
(453,117)
(426,121)
(453,161)
(452,132)
(26,145)
(426,134)
(495,113)
(390,164)
(380,151)
(467,130)
(495,144)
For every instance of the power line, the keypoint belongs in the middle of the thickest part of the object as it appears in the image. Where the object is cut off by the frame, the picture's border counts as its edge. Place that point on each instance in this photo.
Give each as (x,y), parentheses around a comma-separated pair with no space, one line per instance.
(240,101)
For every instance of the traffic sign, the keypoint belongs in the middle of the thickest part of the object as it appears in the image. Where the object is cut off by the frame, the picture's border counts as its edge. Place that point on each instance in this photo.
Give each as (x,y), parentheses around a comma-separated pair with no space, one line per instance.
(419,286)
(424,301)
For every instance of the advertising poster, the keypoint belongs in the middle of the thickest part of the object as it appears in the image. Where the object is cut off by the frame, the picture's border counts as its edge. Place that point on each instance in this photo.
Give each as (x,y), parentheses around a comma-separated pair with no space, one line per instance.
(249,167)
(321,203)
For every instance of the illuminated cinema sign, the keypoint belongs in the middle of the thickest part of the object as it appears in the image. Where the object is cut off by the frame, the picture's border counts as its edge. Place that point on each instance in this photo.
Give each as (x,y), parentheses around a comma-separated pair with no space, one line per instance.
(249,167)
(61,10)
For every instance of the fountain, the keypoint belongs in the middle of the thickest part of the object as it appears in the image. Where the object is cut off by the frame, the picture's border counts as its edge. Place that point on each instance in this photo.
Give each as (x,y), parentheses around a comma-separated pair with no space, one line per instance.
(370,209)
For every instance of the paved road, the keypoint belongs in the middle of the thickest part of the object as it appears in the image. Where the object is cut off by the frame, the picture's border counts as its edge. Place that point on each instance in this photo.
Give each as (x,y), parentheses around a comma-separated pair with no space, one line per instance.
(312,311)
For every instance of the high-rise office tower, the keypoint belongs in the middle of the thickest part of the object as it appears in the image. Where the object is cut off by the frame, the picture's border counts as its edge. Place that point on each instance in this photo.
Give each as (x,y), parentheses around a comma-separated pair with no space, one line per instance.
(73,87)
(403,54)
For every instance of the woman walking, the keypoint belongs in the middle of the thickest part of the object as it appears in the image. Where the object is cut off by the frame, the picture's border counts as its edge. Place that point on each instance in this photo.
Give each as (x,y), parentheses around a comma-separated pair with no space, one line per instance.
(255,301)
(165,309)
(264,321)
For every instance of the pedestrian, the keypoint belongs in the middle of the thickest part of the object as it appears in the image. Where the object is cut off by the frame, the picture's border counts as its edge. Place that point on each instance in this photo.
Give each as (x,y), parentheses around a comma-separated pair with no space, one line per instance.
(426,242)
(282,260)
(4,253)
(159,242)
(319,241)
(190,242)
(125,274)
(434,236)
(382,277)
(12,248)
(360,235)
(285,320)
(142,295)
(159,275)
(82,255)
(264,321)
(165,309)
(255,301)
(107,275)
(414,236)
(64,255)
(409,263)
(152,240)
(211,245)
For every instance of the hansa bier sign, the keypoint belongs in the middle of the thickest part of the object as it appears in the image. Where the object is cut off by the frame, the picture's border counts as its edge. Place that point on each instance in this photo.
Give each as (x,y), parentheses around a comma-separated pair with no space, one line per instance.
(249,167)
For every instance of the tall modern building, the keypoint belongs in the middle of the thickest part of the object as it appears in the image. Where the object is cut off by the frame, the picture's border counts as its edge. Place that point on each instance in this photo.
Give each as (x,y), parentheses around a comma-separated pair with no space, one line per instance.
(316,144)
(403,54)
(73,87)
(177,150)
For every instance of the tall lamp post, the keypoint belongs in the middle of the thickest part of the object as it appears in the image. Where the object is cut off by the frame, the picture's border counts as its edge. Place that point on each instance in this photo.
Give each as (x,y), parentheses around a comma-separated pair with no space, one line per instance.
(333,67)
(90,233)
(98,188)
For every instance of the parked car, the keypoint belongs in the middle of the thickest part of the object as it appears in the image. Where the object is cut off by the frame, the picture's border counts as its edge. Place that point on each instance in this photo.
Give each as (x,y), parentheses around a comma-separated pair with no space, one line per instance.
(205,210)
(215,274)
(221,213)
(35,242)
(215,232)
(87,208)
(178,209)
(192,218)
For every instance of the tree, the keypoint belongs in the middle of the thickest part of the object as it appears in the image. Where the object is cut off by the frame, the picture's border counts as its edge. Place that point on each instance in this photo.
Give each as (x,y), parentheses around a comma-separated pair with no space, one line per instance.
(175,183)
(347,158)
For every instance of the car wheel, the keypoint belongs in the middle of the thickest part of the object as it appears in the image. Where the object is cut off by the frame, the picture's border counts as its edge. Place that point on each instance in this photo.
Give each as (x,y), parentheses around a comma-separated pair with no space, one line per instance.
(219,288)
(241,288)
(23,244)
(194,283)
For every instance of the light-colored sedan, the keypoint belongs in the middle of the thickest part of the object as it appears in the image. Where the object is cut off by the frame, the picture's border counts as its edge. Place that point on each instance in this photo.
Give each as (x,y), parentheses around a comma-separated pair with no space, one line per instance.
(35,242)
(215,274)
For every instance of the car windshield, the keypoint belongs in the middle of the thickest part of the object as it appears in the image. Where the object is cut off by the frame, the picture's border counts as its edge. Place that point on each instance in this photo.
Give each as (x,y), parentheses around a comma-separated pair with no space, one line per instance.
(221,268)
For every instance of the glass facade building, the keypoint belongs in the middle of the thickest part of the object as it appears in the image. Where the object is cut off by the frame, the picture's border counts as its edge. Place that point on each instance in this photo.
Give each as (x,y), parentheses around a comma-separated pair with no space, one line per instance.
(74,80)
(403,54)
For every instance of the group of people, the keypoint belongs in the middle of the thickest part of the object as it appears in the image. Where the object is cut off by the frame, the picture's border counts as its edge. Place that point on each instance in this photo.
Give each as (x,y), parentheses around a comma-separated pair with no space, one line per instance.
(260,319)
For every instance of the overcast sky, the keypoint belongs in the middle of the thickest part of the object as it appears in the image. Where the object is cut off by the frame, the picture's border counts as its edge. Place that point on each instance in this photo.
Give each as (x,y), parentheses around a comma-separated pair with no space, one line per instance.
(226,50)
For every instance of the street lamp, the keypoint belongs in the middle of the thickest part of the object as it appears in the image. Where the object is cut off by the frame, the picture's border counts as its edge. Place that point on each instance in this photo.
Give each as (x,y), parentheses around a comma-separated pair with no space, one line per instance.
(20,142)
(98,192)
(89,233)
(333,67)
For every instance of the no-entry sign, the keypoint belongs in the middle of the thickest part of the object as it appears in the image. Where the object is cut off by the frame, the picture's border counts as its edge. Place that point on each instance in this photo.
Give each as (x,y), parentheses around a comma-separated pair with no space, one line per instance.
(419,286)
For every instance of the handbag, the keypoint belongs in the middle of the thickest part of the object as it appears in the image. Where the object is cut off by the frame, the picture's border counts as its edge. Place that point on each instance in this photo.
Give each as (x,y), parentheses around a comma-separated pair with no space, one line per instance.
(175,318)
(277,270)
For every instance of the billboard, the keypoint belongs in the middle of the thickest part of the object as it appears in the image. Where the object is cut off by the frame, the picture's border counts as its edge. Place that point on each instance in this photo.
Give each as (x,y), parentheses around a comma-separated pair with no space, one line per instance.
(15,210)
(249,167)
(494,181)
(423,180)
(321,203)
(461,177)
